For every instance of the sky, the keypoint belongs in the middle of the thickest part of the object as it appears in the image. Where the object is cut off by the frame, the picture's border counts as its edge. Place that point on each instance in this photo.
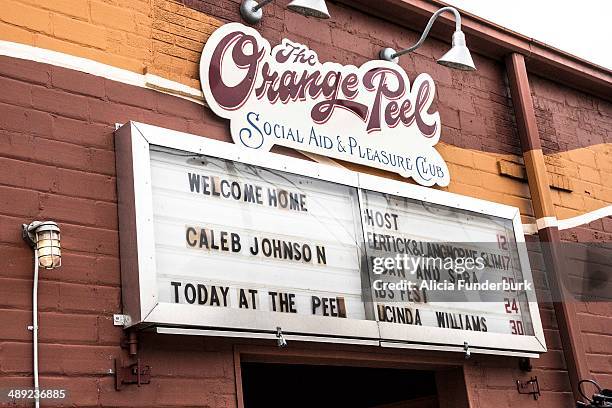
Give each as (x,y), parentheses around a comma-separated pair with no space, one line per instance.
(582,28)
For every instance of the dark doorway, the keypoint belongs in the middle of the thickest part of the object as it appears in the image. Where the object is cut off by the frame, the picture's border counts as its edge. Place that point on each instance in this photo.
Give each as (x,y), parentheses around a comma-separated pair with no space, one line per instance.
(267,385)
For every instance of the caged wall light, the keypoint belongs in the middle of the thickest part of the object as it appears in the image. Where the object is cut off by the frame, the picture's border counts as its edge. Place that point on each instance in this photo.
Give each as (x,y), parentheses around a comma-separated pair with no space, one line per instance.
(44,237)
(458,57)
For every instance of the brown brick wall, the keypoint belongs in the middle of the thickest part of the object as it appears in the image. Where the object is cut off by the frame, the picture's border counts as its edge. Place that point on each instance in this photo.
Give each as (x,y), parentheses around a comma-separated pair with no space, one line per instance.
(57,162)
(576,133)
(476,112)
(596,324)
(166,36)
(595,317)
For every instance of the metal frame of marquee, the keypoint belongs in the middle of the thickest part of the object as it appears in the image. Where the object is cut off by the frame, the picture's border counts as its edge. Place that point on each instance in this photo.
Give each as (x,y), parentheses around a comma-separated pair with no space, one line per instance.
(138,267)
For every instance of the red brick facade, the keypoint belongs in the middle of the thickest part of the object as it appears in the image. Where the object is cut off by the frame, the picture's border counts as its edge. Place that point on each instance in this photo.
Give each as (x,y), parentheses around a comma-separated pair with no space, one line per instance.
(57,162)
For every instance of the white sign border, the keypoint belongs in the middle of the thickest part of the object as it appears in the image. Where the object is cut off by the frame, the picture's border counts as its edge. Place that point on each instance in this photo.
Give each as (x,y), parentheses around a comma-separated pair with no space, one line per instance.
(133,141)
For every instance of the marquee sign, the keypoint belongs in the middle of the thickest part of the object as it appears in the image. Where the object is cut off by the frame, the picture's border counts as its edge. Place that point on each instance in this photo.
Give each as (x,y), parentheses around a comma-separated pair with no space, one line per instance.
(372,115)
(216,241)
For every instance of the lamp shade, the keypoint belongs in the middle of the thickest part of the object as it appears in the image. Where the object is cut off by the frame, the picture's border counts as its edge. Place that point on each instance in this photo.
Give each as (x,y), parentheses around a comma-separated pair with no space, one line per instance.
(314,8)
(458,57)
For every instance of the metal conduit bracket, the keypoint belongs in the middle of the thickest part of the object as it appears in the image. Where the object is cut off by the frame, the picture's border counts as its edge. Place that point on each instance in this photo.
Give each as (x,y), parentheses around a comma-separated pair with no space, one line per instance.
(531,387)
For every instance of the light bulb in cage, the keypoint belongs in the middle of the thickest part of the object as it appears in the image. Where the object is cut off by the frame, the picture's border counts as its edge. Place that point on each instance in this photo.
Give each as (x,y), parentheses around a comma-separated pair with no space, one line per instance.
(44,237)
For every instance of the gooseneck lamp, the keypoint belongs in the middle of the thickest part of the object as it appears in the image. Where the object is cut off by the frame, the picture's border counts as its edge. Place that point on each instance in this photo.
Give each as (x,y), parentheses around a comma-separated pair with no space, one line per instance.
(251,12)
(458,57)
(44,237)
(309,8)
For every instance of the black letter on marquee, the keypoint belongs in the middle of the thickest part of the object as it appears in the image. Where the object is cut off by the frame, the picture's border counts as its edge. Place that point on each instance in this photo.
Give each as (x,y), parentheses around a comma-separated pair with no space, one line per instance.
(243,303)
(191,231)
(194,182)
(176,290)
(321,258)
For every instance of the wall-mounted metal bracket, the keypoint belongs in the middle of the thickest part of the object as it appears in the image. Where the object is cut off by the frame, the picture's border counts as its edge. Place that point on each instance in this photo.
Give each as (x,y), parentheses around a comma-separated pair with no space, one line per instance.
(131,374)
(531,387)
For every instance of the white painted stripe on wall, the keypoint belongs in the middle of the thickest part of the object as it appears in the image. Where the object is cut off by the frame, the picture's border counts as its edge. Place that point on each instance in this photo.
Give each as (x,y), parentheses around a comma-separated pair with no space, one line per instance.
(585,218)
(60,59)
(530,229)
(546,222)
(174,88)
